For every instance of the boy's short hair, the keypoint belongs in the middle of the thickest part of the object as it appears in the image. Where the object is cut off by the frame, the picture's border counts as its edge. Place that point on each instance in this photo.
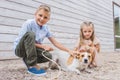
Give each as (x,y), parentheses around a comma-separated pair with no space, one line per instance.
(45,7)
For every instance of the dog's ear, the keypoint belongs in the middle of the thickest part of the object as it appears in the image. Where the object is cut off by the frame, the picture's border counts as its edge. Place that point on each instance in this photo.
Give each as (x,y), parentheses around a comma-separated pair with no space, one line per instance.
(70,60)
(90,57)
(78,56)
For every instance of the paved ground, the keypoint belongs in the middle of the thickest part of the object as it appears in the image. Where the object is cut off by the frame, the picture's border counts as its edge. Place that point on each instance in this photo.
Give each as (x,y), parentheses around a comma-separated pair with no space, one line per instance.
(109,69)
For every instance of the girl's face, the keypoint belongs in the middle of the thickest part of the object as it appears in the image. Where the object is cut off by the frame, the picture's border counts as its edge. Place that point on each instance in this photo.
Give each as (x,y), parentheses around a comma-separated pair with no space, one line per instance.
(87,32)
(42,17)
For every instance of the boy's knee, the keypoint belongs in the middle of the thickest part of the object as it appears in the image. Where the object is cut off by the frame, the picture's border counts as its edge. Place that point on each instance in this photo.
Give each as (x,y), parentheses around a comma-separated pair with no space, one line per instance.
(44,59)
(19,53)
(30,34)
(47,54)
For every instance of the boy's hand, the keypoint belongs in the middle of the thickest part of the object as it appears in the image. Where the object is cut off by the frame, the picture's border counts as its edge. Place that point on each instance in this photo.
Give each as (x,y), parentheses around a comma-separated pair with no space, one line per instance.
(73,53)
(47,48)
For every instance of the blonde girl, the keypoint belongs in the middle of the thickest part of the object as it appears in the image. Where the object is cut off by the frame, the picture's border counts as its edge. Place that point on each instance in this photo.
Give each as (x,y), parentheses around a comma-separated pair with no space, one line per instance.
(88,41)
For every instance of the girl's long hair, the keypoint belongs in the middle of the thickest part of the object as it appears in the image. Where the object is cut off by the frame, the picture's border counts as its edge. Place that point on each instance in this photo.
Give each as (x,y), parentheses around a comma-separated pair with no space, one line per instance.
(88,24)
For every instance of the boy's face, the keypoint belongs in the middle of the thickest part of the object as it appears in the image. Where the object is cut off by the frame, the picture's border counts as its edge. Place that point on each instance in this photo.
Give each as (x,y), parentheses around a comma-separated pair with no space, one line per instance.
(87,32)
(42,17)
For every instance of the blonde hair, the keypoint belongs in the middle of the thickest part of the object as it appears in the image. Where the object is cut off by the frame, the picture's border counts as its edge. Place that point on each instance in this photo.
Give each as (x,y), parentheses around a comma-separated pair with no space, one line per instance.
(88,24)
(45,7)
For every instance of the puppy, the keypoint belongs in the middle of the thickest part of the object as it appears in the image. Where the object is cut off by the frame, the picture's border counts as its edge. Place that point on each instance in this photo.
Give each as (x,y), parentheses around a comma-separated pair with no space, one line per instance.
(70,63)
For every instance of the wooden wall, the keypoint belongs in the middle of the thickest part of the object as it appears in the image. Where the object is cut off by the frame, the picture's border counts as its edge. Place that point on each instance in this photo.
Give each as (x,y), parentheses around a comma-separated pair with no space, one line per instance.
(66,18)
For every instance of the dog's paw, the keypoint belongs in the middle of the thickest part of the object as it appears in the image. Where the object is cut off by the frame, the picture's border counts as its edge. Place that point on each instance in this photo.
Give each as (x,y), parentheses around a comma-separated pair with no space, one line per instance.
(53,65)
(89,72)
(78,72)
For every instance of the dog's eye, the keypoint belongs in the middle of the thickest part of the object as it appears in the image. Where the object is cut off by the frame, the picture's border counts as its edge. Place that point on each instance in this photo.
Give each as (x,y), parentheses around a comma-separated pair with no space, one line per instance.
(89,56)
(78,54)
(82,55)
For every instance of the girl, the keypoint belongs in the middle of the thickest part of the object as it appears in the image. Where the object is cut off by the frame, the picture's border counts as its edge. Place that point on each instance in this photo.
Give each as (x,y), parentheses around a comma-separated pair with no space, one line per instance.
(88,41)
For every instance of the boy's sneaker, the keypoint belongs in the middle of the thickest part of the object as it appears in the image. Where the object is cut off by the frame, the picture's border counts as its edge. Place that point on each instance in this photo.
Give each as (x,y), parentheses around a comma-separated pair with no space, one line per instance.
(37,72)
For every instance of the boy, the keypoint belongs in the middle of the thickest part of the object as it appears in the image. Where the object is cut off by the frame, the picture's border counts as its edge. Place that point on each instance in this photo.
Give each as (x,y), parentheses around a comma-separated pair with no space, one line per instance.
(29,45)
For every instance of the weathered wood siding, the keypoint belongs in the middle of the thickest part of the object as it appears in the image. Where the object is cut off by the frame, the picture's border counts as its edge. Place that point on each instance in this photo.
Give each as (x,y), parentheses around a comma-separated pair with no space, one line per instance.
(65,21)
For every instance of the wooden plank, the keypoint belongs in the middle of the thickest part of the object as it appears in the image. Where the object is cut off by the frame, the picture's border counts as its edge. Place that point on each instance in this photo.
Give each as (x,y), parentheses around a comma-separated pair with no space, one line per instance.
(104,28)
(68,45)
(64,41)
(66,13)
(105,3)
(102,24)
(95,6)
(64,29)
(9,29)
(10,21)
(64,18)
(63,23)
(7,37)
(28,3)
(65,35)
(6,46)
(15,14)
(15,5)
(7,55)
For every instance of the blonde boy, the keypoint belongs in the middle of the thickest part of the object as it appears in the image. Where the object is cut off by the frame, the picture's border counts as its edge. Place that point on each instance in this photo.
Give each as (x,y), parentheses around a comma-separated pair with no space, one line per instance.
(29,45)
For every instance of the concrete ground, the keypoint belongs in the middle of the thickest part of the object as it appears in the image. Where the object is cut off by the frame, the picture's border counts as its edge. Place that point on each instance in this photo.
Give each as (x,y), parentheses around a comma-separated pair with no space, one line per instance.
(108,69)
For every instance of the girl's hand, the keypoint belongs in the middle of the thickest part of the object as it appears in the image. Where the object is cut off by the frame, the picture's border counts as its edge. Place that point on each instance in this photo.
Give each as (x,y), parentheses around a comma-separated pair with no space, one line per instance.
(92,49)
(82,49)
(88,42)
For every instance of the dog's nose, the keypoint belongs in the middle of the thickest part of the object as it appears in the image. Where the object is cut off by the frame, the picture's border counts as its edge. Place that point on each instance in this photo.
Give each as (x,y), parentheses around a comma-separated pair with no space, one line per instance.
(85,61)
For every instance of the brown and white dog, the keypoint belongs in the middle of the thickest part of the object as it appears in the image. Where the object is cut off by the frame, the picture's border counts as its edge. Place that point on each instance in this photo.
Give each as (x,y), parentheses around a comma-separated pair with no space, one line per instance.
(70,63)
